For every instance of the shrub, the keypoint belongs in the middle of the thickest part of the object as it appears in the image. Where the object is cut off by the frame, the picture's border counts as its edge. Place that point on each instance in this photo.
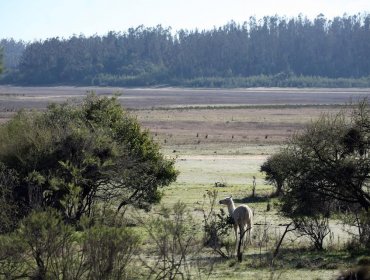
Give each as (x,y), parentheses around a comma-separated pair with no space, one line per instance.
(13,260)
(71,157)
(50,245)
(8,207)
(174,235)
(217,226)
(316,228)
(109,251)
(44,247)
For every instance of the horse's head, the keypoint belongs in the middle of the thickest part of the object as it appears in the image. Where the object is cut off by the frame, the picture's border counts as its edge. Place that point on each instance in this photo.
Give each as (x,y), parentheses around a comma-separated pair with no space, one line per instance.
(226,201)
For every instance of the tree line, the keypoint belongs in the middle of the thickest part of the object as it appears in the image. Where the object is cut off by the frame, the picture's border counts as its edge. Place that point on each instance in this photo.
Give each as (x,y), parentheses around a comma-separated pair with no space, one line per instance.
(12,51)
(271,49)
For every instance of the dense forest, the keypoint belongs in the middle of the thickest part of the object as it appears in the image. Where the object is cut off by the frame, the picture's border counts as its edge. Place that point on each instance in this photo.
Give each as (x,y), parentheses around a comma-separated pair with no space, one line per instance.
(273,51)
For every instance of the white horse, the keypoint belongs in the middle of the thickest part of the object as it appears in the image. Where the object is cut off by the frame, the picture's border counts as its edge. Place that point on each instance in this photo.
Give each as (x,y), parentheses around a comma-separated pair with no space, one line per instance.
(243,219)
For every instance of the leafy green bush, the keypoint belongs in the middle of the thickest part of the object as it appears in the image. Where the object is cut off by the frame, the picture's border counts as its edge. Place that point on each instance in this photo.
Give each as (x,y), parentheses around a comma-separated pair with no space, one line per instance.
(326,169)
(109,251)
(71,157)
(44,247)
(8,207)
(13,260)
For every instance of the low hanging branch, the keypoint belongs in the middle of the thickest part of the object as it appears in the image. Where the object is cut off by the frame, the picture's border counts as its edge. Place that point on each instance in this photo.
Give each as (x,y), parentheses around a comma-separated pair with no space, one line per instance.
(287,229)
(241,237)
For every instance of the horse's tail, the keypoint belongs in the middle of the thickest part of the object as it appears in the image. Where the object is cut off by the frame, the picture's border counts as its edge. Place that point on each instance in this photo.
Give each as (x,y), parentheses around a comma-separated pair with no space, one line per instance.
(251,216)
(250,225)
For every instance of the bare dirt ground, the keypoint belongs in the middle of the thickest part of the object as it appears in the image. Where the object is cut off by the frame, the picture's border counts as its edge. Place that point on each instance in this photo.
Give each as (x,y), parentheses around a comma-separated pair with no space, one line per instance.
(211,120)
(38,97)
(227,130)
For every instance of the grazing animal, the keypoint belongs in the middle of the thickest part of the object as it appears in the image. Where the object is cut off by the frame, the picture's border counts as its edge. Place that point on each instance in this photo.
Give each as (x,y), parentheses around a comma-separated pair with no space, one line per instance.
(243,218)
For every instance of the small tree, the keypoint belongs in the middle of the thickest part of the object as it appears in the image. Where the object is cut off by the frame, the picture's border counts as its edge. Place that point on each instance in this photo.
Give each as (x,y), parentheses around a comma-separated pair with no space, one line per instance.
(70,157)
(328,166)
(331,158)
(316,228)
(277,168)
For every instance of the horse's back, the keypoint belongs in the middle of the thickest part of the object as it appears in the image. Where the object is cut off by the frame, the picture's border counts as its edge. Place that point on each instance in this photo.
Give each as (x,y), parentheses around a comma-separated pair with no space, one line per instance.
(243,214)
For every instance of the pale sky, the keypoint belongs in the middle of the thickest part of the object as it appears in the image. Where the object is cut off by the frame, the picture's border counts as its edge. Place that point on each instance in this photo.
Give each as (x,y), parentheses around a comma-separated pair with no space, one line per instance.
(40,19)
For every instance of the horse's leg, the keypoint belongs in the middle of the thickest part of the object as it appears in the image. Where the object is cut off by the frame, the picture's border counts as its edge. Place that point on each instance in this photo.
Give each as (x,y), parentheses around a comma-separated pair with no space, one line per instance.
(242,235)
(236,237)
(249,234)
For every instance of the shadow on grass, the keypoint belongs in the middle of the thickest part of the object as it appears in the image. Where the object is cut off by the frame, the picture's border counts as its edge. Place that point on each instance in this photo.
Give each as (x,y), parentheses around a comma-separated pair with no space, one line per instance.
(250,199)
(289,259)
(304,259)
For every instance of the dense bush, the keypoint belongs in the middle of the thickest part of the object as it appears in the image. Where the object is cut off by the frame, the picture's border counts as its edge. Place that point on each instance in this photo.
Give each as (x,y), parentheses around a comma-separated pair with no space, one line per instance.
(44,247)
(8,206)
(326,170)
(71,157)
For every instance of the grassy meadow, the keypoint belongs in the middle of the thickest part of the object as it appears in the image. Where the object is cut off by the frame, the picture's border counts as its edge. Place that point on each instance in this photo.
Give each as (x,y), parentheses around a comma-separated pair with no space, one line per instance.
(227,144)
